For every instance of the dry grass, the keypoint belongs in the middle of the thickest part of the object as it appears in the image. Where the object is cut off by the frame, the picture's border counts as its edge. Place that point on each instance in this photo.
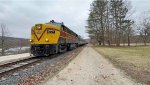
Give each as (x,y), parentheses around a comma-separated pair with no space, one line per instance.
(134,60)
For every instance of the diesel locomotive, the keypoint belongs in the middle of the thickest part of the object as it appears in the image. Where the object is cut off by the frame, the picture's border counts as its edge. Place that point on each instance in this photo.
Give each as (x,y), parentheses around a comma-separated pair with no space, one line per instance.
(53,37)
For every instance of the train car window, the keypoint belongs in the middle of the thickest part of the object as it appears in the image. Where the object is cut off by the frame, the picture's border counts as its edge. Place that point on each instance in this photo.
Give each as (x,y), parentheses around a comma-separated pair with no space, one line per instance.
(62,27)
(76,35)
(69,31)
(65,29)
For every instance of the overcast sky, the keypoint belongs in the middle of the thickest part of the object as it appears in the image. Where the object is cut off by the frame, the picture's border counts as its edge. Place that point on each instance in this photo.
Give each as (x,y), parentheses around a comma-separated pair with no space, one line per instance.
(21,15)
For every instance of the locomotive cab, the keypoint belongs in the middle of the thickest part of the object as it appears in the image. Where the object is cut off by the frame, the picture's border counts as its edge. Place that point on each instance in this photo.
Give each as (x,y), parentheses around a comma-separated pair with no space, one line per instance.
(44,39)
(51,38)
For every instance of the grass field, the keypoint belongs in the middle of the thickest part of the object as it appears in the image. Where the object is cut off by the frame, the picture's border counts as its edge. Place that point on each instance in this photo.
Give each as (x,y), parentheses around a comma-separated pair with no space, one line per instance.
(135,61)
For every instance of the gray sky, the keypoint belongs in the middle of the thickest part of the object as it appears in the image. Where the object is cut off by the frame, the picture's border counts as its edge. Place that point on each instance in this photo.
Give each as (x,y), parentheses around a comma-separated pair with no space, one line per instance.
(21,15)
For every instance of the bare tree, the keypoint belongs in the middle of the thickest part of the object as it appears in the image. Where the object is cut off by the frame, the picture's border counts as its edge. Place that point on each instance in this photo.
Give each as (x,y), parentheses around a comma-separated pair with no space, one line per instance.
(4,34)
(128,32)
(144,29)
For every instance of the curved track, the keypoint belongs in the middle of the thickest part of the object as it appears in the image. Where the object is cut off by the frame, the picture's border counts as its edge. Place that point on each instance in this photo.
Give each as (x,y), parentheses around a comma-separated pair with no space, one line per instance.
(17,65)
(35,70)
(10,68)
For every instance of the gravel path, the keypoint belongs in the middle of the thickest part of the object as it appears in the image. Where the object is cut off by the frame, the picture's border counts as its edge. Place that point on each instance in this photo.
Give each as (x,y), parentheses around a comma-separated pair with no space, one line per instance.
(90,68)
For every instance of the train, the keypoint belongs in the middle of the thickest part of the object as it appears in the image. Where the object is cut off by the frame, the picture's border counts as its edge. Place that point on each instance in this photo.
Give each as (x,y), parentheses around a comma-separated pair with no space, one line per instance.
(52,38)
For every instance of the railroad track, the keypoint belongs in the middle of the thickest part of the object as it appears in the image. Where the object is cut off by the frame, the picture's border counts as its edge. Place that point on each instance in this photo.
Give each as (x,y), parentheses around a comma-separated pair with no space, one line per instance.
(21,71)
(10,68)
(17,65)
(6,68)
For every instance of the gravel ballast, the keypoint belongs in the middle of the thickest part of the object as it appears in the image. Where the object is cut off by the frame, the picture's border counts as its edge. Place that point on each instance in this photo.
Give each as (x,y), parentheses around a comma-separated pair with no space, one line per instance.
(37,73)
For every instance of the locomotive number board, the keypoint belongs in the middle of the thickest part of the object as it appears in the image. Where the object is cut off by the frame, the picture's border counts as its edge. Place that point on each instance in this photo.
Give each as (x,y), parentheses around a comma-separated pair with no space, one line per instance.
(51,31)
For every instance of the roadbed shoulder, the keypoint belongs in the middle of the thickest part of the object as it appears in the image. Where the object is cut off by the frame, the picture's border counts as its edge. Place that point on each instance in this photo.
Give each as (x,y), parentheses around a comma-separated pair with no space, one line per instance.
(13,58)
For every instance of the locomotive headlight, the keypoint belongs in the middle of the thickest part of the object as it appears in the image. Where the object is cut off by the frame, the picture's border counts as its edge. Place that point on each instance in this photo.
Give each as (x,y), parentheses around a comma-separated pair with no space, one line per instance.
(31,40)
(38,27)
(47,40)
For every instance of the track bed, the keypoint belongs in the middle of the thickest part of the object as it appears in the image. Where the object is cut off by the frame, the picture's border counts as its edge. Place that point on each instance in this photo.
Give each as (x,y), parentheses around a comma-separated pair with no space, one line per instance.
(34,70)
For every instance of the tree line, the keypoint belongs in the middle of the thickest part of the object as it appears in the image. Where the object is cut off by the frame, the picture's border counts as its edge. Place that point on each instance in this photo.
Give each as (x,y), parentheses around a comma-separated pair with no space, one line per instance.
(7,42)
(110,22)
